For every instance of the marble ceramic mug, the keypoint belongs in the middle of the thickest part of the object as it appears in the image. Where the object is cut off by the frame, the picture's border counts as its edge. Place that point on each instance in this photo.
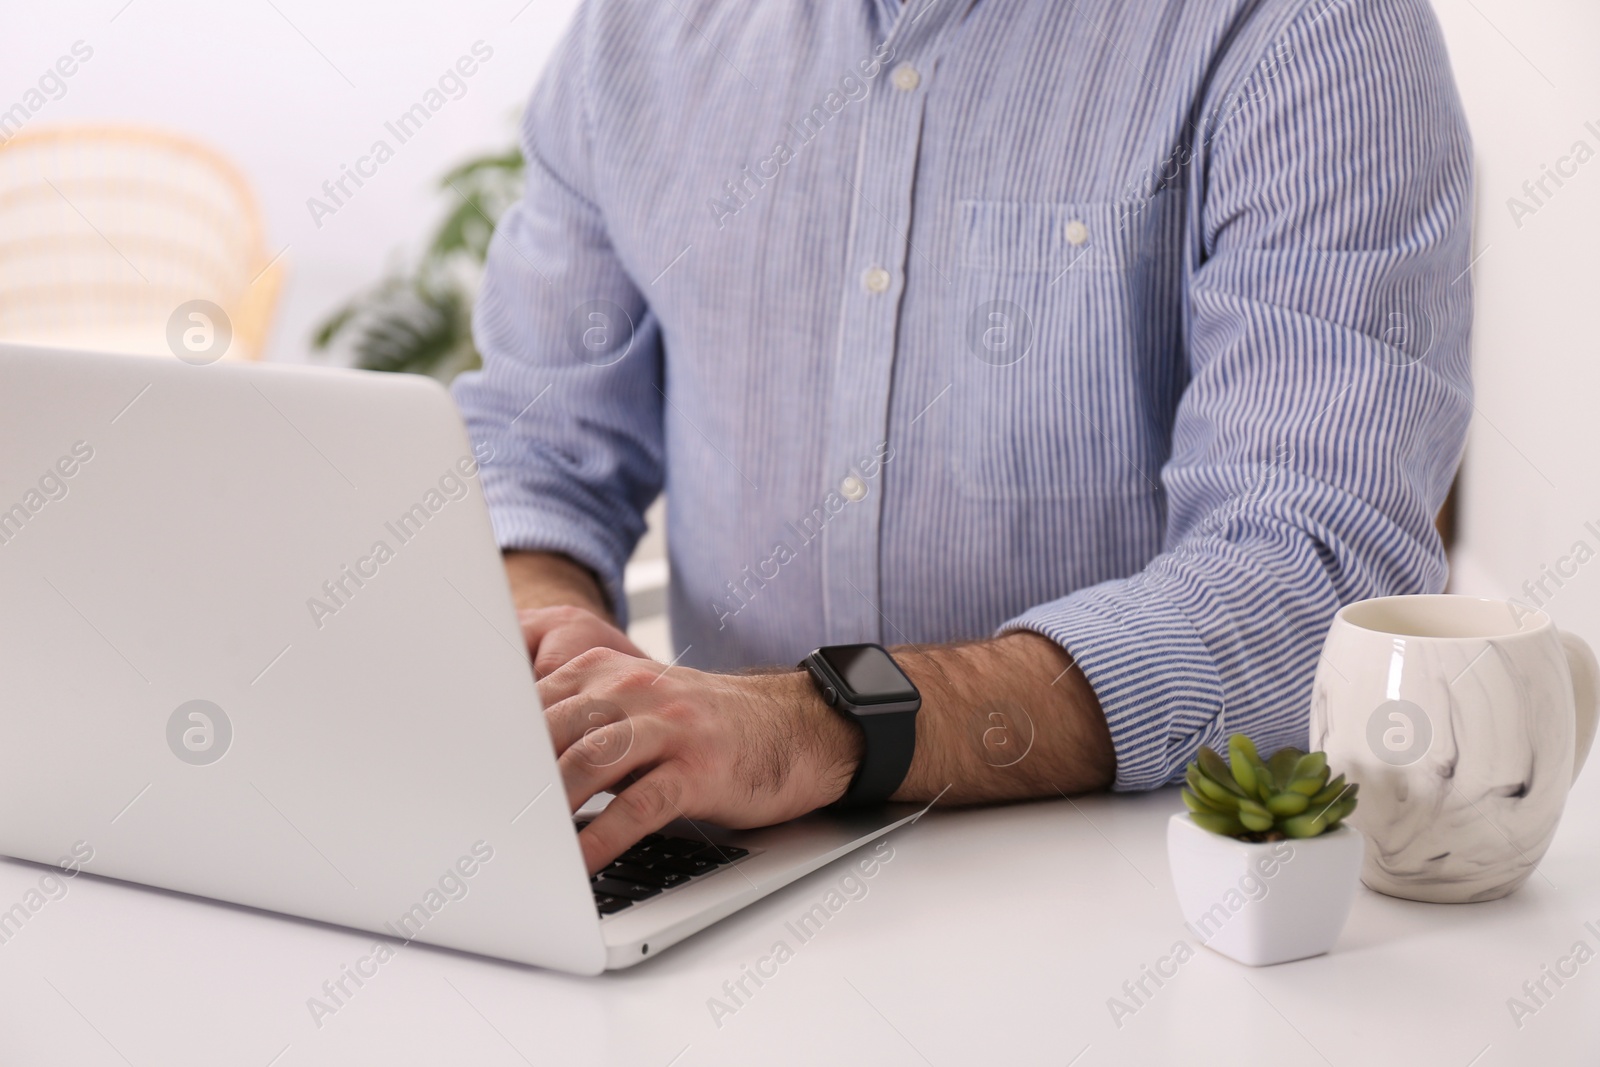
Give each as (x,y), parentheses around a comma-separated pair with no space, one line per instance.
(1465,721)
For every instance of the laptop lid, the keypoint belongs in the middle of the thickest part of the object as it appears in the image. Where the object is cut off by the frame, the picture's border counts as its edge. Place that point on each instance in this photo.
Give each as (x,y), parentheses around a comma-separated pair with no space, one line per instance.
(256,644)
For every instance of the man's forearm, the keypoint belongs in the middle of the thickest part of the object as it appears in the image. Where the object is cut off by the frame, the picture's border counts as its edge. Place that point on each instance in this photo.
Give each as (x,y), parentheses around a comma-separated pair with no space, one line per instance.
(550,580)
(1004,719)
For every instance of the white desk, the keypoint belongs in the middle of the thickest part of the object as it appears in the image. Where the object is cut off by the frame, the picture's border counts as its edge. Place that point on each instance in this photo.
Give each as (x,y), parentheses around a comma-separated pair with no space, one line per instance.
(992,936)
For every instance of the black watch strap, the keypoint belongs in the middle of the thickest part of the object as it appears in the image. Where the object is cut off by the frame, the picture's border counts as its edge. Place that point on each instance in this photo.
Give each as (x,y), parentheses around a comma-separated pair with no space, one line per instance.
(891,739)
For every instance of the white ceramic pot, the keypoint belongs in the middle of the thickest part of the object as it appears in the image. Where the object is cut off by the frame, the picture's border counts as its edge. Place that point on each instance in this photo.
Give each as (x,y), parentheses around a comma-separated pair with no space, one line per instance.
(1264,903)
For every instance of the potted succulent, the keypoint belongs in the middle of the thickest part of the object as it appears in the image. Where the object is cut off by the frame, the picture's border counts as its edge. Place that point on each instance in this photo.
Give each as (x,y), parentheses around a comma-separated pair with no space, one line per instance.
(1264,866)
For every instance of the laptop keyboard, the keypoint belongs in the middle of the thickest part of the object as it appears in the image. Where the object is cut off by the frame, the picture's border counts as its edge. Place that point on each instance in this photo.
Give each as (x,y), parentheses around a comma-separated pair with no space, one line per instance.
(654,865)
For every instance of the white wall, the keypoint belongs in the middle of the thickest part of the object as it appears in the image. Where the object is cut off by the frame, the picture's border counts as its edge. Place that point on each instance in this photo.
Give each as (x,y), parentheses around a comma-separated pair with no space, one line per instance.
(240,75)
(1531,83)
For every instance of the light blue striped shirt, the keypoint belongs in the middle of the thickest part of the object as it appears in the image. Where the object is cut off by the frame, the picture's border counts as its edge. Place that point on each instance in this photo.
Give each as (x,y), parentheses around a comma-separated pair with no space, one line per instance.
(1141,324)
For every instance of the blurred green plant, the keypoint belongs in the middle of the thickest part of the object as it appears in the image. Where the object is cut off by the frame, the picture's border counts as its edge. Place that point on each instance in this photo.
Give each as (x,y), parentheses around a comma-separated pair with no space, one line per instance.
(1287,795)
(419,321)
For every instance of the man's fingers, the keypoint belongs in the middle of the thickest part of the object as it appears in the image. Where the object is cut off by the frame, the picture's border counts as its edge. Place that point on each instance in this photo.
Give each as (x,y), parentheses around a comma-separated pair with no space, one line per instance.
(583,671)
(569,679)
(538,622)
(605,756)
(557,635)
(570,719)
(558,648)
(642,808)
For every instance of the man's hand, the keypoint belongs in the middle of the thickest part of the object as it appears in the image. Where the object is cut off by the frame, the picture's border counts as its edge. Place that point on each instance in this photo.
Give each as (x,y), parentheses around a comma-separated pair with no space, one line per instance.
(736,750)
(557,635)
(562,610)
(1004,719)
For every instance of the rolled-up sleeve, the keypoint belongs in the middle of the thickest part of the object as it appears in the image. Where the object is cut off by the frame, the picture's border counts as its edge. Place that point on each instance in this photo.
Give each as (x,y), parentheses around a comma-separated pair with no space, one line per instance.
(1328,393)
(567,406)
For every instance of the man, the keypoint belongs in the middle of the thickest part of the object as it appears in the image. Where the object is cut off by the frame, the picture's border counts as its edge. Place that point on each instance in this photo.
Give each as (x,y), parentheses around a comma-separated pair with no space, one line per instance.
(1089,355)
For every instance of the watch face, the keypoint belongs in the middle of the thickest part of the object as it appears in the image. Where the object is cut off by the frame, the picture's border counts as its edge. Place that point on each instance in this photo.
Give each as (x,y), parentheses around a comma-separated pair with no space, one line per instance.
(869,674)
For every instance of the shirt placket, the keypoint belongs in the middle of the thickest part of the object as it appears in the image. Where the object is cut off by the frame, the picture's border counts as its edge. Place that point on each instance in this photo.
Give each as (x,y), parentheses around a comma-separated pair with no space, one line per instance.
(858,422)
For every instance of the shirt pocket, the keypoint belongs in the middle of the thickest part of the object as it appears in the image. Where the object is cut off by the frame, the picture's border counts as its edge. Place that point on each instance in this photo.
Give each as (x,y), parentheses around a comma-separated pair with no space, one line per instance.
(1054,238)
(1065,327)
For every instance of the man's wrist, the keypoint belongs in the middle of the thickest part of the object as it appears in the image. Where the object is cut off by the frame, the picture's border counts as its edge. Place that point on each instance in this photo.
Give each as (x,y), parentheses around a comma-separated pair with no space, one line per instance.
(836,744)
(550,580)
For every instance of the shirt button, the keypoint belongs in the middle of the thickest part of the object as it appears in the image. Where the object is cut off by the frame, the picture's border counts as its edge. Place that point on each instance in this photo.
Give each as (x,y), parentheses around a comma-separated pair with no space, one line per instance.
(905,77)
(1076,232)
(875,280)
(853,488)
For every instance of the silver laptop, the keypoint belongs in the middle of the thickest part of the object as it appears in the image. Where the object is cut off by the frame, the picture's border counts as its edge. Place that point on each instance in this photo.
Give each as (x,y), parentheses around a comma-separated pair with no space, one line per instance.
(256,644)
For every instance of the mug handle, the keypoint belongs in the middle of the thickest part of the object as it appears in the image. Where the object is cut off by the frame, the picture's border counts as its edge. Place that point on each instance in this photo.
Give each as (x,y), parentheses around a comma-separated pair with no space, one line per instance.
(1585,696)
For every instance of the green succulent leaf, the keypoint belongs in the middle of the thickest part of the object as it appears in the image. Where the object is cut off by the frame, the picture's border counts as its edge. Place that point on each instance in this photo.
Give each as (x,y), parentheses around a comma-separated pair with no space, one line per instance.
(1308,825)
(1214,768)
(1226,825)
(1265,790)
(1246,805)
(1306,787)
(1243,761)
(1329,792)
(1244,773)
(1252,821)
(1334,816)
(1281,764)
(1219,796)
(1312,765)
(1195,802)
(1284,805)
(1337,811)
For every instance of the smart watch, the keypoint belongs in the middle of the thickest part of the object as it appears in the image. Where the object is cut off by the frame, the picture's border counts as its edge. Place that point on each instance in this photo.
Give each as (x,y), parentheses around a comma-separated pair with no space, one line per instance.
(865,685)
